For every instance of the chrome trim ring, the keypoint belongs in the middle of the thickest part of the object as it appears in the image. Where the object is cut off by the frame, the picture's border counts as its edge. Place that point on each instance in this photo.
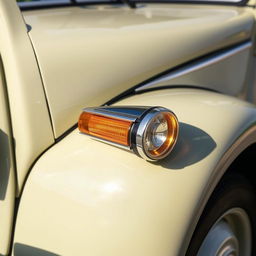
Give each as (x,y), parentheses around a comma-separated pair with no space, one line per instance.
(142,129)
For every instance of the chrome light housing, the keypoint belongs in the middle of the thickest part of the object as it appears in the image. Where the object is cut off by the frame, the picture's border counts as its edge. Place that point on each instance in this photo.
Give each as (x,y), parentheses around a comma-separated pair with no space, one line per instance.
(150,132)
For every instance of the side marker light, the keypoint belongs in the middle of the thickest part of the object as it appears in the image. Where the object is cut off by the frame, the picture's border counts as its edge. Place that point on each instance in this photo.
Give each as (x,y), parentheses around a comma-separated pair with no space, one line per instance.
(150,132)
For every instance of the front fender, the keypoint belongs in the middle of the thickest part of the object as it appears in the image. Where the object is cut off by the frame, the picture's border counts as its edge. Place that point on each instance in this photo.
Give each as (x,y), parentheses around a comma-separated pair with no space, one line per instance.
(84,197)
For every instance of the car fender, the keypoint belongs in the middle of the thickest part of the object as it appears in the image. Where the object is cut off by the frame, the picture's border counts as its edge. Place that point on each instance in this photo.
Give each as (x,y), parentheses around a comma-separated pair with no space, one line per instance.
(84,197)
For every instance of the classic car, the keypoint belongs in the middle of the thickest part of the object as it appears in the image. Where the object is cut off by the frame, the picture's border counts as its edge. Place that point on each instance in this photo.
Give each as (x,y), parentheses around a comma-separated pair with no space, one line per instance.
(127,128)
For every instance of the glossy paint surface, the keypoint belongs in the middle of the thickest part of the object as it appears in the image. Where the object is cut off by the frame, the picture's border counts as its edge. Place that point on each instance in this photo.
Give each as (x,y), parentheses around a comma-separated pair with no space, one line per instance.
(88,55)
(225,72)
(94,199)
(7,170)
(32,131)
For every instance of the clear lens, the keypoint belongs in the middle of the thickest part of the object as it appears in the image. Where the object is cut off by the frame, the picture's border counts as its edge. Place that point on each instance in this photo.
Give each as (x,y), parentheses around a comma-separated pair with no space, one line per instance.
(160,135)
(157,133)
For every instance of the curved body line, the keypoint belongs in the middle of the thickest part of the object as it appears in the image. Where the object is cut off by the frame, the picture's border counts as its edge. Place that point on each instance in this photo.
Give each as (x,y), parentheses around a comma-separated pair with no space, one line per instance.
(240,144)
(94,199)
(197,65)
(70,180)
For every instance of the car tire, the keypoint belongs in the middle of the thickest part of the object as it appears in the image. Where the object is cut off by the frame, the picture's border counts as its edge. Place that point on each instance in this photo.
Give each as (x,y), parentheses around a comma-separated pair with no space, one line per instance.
(228,223)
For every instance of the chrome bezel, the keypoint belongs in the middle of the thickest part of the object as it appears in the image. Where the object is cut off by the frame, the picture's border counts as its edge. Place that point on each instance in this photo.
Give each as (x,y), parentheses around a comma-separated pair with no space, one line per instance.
(142,129)
(105,112)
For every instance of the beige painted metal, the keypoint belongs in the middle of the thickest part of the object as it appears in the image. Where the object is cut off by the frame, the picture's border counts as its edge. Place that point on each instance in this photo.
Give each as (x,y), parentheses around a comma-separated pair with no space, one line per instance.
(225,72)
(7,170)
(84,197)
(251,3)
(29,115)
(88,55)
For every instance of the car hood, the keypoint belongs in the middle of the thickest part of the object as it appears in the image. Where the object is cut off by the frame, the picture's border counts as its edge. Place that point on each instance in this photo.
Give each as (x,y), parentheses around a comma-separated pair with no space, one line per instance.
(89,54)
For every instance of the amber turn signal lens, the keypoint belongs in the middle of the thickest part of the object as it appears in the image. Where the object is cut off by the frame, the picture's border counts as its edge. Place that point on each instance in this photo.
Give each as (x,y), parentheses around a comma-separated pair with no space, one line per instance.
(106,128)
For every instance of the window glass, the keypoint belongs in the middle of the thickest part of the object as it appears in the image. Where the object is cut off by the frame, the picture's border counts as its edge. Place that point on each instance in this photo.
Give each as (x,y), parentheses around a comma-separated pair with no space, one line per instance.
(49,2)
(34,3)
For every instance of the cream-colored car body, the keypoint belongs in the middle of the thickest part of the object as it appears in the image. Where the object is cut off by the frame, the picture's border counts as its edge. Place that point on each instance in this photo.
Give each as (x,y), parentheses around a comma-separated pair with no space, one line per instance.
(81,196)
(84,197)
(31,125)
(77,49)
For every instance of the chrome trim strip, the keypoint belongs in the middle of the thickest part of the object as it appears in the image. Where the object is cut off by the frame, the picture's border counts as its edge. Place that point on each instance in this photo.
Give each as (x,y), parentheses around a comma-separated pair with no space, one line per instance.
(126,113)
(196,66)
(110,114)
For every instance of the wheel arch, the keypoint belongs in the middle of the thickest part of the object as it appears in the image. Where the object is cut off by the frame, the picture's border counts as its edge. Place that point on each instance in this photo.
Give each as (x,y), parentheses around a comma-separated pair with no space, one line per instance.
(238,156)
(240,167)
(126,204)
(244,164)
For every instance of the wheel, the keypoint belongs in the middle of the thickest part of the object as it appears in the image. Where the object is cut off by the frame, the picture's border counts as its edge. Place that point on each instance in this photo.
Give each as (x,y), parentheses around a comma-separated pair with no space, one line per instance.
(228,224)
